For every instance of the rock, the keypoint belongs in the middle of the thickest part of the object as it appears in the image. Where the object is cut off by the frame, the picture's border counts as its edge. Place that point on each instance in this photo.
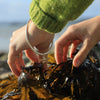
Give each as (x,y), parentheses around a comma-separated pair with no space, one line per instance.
(4,68)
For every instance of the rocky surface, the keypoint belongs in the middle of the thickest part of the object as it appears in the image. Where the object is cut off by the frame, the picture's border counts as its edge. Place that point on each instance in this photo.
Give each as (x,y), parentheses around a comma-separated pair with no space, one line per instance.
(4,68)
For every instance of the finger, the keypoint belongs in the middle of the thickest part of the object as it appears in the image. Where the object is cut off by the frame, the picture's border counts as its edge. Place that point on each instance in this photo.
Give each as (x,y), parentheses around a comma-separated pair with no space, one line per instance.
(43,59)
(65,51)
(82,54)
(19,62)
(60,44)
(31,55)
(59,53)
(12,65)
(12,55)
(74,47)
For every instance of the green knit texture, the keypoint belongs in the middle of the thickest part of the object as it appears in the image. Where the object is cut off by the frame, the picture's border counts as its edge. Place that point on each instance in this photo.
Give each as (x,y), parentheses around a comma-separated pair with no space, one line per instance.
(53,15)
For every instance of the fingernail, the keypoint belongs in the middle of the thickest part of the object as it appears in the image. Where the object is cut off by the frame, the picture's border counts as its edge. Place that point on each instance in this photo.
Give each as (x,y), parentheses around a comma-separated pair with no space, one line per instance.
(77,63)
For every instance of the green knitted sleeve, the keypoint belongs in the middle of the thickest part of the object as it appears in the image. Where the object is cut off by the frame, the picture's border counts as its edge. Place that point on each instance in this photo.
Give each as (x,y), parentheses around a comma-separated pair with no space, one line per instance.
(53,15)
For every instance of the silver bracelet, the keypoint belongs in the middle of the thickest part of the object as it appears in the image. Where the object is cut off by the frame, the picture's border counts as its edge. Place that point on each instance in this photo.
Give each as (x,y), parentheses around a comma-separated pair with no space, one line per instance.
(35,49)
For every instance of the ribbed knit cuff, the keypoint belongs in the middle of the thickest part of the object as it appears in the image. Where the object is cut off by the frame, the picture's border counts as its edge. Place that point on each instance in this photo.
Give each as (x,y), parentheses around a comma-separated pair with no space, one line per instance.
(43,20)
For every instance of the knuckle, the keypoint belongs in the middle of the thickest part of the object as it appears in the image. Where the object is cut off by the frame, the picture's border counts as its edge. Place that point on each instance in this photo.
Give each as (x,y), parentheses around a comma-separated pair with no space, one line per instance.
(11,39)
(9,62)
(13,32)
(57,43)
(87,43)
(72,28)
(12,48)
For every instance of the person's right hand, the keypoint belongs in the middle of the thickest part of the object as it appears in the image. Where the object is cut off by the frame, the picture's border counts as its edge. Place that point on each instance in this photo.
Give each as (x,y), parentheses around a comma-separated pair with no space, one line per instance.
(37,37)
(86,32)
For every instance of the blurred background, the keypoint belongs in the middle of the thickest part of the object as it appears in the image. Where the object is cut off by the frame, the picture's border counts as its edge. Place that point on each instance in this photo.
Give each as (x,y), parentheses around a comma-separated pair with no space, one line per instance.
(15,13)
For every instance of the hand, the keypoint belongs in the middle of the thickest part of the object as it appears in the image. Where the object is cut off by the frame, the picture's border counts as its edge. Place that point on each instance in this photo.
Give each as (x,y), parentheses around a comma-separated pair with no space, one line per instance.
(37,37)
(86,32)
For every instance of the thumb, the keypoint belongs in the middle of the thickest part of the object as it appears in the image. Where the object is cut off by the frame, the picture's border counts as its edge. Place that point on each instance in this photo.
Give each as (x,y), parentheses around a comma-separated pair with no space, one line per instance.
(82,53)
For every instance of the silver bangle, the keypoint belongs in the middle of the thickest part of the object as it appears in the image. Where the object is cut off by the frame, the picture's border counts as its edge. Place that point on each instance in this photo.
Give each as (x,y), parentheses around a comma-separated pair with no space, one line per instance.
(35,49)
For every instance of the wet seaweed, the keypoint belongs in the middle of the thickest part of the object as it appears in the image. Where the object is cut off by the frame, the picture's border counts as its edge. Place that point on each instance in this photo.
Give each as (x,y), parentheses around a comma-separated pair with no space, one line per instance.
(59,82)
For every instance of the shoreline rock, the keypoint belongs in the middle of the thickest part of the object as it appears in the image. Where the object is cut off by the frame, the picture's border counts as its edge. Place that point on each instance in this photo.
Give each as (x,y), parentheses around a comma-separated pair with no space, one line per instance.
(4,68)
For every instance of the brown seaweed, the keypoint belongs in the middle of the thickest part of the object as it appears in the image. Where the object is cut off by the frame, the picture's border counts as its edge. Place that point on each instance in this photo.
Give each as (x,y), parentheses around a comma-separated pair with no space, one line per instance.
(59,82)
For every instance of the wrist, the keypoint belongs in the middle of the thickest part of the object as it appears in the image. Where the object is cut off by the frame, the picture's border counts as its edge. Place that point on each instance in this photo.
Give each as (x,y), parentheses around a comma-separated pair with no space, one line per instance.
(36,35)
(33,27)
